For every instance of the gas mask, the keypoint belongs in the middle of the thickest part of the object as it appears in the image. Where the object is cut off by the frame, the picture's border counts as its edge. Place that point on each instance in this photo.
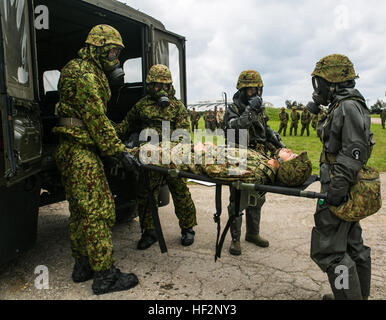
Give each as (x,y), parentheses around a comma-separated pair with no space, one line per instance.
(313,107)
(111,65)
(162,98)
(116,77)
(159,94)
(323,91)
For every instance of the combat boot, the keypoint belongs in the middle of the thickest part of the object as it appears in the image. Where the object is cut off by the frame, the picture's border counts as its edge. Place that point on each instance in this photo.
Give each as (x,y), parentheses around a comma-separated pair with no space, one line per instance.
(235,248)
(82,271)
(148,237)
(113,280)
(187,237)
(257,240)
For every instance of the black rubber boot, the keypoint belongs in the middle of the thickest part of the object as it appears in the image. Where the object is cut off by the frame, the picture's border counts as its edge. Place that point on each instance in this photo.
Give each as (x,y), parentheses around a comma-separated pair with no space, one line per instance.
(148,237)
(82,271)
(113,280)
(187,237)
(235,248)
(364,275)
(353,289)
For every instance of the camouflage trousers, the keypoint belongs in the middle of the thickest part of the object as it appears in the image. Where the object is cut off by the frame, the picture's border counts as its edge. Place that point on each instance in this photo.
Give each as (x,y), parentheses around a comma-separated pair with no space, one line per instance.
(283,127)
(182,199)
(91,204)
(252,215)
(295,127)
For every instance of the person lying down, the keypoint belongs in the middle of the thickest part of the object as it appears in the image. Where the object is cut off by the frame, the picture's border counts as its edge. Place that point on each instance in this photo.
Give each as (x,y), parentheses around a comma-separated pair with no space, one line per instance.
(228,164)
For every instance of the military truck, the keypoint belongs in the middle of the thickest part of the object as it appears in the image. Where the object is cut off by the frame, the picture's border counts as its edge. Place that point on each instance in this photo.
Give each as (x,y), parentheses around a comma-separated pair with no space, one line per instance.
(37,38)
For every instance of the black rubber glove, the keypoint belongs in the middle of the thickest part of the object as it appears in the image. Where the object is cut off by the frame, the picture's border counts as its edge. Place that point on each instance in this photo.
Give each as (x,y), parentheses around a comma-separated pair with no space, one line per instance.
(131,164)
(337,193)
(256,103)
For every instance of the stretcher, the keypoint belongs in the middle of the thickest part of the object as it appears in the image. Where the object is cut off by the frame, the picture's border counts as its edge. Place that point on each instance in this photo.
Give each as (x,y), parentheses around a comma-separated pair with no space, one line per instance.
(252,190)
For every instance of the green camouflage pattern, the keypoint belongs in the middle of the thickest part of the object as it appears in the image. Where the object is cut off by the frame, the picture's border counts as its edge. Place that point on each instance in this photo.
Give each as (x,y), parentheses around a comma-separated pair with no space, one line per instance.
(295,117)
(91,204)
(305,117)
(295,172)
(211,120)
(364,198)
(84,92)
(159,73)
(184,208)
(223,163)
(249,79)
(335,68)
(147,114)
(283,117)
(104,34)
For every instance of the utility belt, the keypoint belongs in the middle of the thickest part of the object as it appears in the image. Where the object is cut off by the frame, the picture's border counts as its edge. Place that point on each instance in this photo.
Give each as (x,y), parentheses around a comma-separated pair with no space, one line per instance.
(251,198)
(71,122)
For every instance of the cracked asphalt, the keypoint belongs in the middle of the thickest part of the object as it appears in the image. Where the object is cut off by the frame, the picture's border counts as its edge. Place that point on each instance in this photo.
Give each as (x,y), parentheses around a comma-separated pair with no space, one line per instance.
(284,271)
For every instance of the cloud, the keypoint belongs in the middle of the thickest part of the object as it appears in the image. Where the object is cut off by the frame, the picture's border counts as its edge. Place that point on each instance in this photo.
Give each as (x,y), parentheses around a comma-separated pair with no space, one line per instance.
(281,39)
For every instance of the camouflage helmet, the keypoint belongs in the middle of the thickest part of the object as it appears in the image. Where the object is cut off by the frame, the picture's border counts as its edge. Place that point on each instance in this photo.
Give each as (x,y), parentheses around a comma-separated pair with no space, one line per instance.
(159,73)
(103,34)
(282,109)
(335,68)
(249,78)
(295,172)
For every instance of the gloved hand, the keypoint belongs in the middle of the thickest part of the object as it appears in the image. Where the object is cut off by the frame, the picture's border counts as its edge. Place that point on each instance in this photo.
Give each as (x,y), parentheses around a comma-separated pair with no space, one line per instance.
(130,163)
(255,103)
(337,193)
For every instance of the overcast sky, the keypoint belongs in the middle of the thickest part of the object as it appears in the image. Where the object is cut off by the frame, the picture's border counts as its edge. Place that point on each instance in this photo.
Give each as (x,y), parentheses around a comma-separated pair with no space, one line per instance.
(282,39)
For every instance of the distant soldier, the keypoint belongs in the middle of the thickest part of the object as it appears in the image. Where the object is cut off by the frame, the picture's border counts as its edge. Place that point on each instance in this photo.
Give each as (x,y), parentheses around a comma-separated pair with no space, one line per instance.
(383,117)
(211,119)
(220,119)
(295,117)
(284,117)
(305,120)
(314,121)
(194,118)
(206,120)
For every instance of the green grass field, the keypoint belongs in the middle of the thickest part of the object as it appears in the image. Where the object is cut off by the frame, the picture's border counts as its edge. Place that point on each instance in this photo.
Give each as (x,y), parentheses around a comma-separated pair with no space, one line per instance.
(313,145)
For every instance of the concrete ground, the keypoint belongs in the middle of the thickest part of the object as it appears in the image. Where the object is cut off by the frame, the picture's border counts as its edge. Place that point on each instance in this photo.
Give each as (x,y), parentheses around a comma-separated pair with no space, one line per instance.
(282,271)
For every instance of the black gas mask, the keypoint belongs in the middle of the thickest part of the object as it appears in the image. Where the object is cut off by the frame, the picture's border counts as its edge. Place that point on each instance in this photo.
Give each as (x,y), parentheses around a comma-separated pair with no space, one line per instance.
(323,91)
(161,95)
(116,77)
(246,99)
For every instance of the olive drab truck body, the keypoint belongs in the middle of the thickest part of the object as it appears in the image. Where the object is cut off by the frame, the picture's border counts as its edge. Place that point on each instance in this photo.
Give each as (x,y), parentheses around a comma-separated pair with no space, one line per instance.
(37,39)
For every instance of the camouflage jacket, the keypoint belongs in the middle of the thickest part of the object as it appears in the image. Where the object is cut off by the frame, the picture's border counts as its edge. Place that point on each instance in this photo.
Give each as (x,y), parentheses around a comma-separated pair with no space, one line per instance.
(147,114)
(305,117)
(283,116)
(295,117)
(194,116)
(84,92)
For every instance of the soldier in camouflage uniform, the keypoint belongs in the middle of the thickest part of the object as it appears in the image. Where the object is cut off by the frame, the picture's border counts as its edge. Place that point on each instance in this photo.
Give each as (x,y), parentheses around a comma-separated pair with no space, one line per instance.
(220,118)
(223,164)
(383,117)
(305,120)
(85,133)
(283,116)
(211,119)
(337,245)
(247,113)
(157,106)
(295,117)
(194,118)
